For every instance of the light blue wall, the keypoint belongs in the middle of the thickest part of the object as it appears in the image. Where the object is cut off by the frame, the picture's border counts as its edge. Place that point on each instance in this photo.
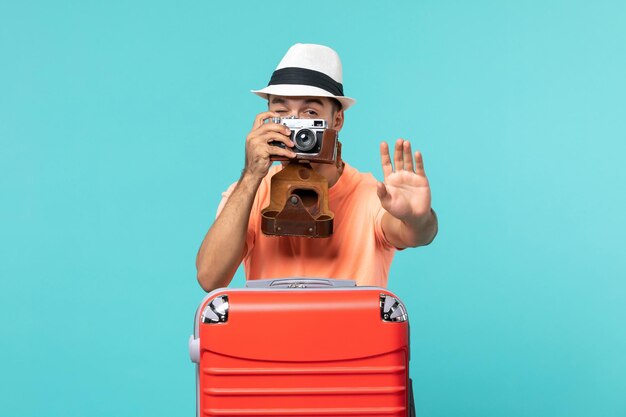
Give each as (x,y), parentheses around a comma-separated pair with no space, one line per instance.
(121,122)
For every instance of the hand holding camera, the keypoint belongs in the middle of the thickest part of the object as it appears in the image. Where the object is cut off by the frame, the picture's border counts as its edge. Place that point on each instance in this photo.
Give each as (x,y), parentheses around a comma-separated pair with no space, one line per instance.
(259,152)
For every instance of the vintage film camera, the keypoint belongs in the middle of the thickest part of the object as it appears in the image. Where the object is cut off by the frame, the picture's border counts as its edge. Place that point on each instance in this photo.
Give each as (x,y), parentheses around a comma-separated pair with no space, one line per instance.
(298,194)
(313,140)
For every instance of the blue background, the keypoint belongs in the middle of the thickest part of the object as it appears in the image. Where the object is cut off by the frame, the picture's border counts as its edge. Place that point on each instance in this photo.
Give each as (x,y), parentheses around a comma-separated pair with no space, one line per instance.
(121,122)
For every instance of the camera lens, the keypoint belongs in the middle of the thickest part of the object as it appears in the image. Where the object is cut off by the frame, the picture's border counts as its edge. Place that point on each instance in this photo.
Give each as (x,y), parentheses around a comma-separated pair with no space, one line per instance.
(305,140)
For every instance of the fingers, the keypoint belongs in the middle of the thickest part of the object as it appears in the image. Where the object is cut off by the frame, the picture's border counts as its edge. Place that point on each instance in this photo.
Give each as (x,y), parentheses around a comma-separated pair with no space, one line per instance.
(385,159)
(419,164)
(271,129)
(271,140)
(398,160)
(262,117)
(269,132)
(272,136)
(277,150)
(264,141)
(402,158)
(275,127)
(407,157)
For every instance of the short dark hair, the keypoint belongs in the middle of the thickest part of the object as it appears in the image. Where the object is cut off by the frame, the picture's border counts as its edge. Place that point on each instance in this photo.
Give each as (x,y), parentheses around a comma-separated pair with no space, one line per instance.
(336,104)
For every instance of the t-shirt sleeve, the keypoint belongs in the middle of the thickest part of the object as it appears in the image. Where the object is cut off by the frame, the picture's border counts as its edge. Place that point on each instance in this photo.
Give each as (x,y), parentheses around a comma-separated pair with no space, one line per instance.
(225,195)
(378,227)
(378,212)
(250,237)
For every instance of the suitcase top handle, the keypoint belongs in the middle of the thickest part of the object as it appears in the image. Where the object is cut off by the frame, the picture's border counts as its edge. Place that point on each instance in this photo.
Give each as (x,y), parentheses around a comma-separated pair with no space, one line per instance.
(300,283)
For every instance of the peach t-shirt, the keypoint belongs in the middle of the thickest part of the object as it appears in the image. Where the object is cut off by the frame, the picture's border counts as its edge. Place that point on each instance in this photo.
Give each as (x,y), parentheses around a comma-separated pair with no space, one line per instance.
(357,249)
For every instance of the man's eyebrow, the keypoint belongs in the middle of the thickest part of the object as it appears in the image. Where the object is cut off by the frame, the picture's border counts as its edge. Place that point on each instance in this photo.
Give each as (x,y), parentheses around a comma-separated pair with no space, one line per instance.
(314,100)
(278,100)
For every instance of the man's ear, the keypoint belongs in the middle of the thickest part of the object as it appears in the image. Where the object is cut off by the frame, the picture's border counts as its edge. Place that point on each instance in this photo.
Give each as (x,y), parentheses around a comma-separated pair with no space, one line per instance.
(338,120)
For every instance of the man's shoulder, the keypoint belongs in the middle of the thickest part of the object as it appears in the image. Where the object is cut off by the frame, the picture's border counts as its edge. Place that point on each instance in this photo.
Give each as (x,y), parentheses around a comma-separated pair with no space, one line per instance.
(358,178)
(357,187)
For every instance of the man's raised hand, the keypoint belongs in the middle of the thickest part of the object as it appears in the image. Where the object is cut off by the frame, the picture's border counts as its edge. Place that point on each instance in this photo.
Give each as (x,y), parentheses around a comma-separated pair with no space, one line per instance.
(405,192)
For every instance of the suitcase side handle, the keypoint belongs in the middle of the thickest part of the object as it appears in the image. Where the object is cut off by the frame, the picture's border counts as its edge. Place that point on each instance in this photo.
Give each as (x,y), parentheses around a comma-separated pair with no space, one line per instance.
(301,283)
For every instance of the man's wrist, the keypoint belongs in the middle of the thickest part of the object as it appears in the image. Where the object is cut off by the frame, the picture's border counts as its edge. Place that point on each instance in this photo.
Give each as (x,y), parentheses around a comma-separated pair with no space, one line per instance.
(418,228)
(417,222)
(250,178)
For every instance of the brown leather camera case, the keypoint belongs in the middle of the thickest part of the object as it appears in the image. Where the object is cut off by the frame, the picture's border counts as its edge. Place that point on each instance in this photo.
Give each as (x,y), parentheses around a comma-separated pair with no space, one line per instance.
(298,203)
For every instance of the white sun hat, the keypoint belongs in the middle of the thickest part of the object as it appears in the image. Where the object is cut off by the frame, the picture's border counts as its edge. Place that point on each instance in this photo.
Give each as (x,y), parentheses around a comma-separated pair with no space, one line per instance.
(308,70)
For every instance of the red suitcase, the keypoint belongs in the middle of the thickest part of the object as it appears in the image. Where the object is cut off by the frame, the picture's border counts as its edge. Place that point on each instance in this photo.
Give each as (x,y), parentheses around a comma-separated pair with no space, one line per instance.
(302,347)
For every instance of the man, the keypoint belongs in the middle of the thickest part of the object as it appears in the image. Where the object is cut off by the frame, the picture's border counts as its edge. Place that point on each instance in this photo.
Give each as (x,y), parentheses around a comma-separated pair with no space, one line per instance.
(372,219)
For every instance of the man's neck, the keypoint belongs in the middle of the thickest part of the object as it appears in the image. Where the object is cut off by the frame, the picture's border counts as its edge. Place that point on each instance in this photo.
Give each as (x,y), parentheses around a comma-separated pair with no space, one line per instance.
(330,172)
(339,172)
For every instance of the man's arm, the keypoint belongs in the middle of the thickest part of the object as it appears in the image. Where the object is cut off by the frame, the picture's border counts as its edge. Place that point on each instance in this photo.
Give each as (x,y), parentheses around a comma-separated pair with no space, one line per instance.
(410,235)
(224,246)
(410,220)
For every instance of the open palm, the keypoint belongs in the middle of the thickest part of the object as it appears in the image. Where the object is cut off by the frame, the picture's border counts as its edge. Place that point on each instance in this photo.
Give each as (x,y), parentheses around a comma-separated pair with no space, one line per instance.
(405,192)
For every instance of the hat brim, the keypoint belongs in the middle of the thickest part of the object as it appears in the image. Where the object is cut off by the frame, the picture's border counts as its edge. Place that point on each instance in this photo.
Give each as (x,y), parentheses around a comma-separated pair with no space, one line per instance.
(293,90)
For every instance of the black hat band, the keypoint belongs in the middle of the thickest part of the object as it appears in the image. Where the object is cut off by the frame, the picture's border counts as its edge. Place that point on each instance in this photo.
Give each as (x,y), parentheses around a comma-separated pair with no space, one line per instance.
(304,76)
